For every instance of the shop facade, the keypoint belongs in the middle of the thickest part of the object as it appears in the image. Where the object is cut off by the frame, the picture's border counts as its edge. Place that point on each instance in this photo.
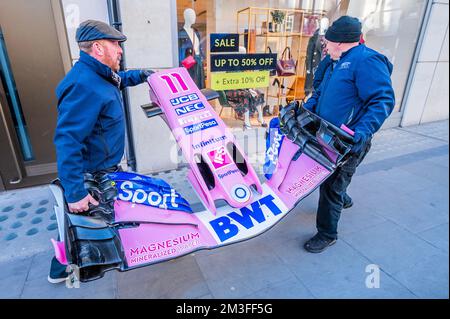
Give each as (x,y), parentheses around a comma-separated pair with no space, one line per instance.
(397,29)
(413,34)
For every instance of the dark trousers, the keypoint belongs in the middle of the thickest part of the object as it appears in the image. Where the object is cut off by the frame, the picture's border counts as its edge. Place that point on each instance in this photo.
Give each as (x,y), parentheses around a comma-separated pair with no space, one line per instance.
(333,193)
(58,270)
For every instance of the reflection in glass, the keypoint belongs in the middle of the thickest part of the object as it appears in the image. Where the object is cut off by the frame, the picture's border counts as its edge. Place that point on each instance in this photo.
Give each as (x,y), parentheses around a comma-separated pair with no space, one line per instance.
(12,97)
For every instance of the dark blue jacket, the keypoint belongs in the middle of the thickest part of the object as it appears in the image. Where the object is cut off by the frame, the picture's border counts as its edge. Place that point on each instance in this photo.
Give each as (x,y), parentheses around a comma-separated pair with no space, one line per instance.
(356,91)
(90,130)
(320,71)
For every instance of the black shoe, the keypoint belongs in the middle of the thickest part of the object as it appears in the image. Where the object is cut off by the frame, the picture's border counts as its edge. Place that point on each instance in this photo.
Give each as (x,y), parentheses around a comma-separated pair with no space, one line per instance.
(348,202)
(58,272)
(318,243)
(58,278)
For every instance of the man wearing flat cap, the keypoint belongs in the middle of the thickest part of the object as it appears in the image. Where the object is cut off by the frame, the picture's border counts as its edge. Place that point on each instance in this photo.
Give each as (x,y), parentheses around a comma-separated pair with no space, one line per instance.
(356,91)
(90,130)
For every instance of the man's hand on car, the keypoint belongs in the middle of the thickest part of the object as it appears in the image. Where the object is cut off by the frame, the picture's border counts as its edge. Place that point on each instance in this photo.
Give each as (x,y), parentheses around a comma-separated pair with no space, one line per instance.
(82,205)
(145,73)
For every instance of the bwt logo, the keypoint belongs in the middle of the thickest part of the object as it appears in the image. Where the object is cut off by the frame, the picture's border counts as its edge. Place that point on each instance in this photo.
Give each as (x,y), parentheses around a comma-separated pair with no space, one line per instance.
(226,226)
(184,99)
(194,118)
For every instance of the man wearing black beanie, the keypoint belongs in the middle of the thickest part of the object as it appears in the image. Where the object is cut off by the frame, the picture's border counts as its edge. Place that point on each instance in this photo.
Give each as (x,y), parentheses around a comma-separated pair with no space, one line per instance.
(356,91)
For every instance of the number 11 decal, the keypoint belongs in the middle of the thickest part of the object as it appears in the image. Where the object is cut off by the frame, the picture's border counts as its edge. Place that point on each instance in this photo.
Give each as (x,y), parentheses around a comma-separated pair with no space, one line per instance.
(170,82)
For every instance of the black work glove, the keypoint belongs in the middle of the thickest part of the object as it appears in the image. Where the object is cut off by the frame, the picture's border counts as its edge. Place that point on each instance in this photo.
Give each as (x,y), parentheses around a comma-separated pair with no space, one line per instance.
(359,141)
(145,74)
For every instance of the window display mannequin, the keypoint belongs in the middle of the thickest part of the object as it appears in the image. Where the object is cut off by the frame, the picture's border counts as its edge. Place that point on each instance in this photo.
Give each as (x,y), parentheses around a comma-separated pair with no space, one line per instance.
(189,20)
(189,43)
(315,52)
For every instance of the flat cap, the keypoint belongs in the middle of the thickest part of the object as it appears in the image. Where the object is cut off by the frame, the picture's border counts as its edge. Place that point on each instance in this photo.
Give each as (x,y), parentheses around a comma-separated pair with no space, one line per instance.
(91,30)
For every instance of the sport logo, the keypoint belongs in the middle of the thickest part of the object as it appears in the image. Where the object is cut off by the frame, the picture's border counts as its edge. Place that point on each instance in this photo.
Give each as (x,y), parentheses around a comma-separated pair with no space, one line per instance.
(219,157)
(128,193)
(189,108)
(200,126)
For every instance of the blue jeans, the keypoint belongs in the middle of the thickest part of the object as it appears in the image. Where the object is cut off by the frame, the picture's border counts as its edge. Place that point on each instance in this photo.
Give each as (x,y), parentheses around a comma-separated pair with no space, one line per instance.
(333,193)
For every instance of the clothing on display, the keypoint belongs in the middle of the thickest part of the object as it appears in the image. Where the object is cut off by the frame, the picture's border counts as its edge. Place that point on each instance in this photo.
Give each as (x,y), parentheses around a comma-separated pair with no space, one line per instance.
(186,48)
(315,52)
(245,100)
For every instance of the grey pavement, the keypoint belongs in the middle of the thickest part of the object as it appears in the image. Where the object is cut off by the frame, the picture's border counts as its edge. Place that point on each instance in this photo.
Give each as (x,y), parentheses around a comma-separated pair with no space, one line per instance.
(398,230)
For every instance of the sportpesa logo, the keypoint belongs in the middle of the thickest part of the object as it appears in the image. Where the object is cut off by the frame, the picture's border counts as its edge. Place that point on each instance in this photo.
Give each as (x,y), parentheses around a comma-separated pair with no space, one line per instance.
(200,126)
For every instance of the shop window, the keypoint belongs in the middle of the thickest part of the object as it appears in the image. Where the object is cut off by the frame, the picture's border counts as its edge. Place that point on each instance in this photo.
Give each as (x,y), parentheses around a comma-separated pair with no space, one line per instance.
(292,27)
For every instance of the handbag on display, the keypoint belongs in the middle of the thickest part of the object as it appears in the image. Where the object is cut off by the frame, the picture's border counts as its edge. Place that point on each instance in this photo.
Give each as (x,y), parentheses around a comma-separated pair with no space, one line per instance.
(189,61)
(286,65)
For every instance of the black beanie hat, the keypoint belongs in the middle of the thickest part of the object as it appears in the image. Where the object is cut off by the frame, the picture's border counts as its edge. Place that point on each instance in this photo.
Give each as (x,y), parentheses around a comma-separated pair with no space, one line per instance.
(344,30)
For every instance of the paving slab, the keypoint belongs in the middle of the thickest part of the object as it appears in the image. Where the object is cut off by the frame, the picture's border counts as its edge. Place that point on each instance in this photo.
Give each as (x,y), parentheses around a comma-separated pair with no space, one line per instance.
(291,288)
(427,278)
(338,272)
(100,289)
(27,222)
(13,276)
(178,278)
(237,270)
(437,236)
(390,246)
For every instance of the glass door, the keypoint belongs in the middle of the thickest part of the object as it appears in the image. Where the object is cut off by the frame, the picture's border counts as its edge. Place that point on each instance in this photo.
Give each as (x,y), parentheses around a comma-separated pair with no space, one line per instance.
(31,66)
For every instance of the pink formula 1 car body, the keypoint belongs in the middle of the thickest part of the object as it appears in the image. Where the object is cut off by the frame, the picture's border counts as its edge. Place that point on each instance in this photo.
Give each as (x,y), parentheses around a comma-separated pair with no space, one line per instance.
(149,222)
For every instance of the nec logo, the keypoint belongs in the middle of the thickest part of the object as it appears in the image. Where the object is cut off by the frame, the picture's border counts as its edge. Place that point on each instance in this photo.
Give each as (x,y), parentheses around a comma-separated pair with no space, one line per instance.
(184,99)
(225,226)
(189,108)
(194,118)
